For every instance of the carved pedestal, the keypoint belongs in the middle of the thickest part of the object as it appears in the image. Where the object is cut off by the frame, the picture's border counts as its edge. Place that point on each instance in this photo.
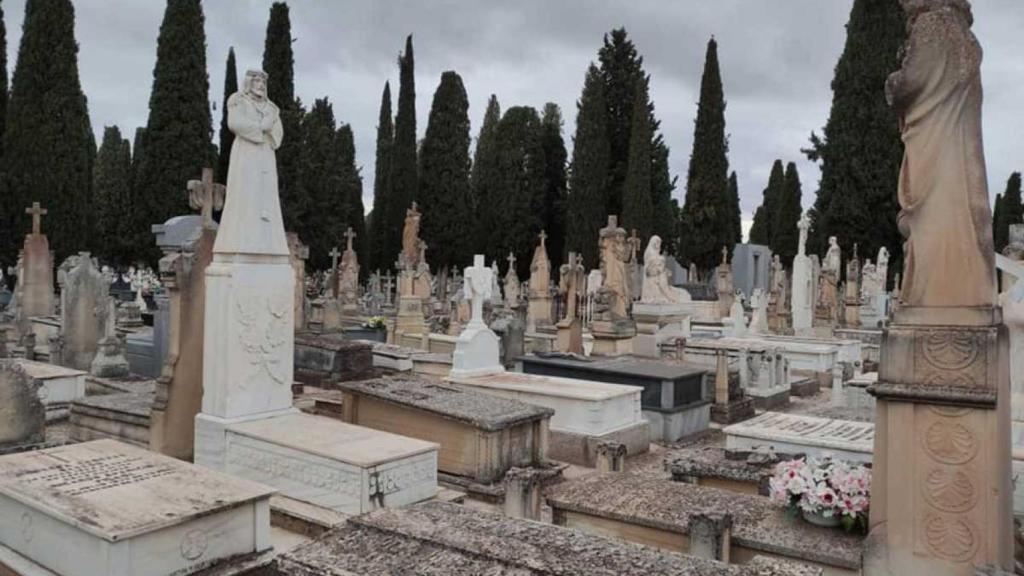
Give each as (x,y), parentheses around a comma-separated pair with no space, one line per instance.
(613,338)
(570,336)
(941,492)
(410,316)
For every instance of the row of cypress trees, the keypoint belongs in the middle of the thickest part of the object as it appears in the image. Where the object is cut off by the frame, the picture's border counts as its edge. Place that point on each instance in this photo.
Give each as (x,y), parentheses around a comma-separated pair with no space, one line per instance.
(775,221)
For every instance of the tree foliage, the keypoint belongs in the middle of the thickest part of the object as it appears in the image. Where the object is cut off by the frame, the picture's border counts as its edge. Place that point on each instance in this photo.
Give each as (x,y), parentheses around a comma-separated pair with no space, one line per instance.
(637,205)
(379,256)
(763,229)
(324,223)
(736,232)
(555,183)
(1009,210)
(403,181)
(113,199)
(352,186)
(785,234)
(227,137)
(484,175)
(588,179)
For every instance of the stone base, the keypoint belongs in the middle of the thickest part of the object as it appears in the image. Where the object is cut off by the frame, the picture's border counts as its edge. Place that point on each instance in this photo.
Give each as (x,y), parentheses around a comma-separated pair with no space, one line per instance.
(58,386)
(805,387)
(109,361)
(347,468)
(569,339)
(581,449)
(410,318)
(769,398)
(124,417)
(613,338)
(477,352)
(327,359)
(735,411)
(677,423)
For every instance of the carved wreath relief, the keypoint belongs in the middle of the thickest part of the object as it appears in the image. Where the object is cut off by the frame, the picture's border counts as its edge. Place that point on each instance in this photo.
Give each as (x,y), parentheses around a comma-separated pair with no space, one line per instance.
(264,323)
(952,358)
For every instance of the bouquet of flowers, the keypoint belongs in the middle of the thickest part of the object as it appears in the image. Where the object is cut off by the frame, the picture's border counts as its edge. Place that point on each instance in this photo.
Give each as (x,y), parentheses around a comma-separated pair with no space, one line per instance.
(376,322)
(833,490)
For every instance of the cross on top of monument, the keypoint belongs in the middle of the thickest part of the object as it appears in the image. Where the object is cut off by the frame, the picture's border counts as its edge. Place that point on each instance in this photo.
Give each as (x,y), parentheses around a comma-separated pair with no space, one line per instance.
(37,213)
(613,221)
(543,236)
(511,260)
(207,196)
(725,254)
(334,253)
(349,234)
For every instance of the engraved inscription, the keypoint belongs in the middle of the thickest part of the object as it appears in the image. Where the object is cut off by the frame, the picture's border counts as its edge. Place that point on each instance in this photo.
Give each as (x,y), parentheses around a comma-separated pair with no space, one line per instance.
(95,474)
(294,469)
(193,544)
(950,490)
(950,442)
(952,539)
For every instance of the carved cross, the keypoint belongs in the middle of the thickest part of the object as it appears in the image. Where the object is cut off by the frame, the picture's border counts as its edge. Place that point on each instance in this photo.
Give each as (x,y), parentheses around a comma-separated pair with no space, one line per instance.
(334,270)
(349,234)
(207,196)
(388,287)
(511,261)
(543,236)
(478,279)
(37,216)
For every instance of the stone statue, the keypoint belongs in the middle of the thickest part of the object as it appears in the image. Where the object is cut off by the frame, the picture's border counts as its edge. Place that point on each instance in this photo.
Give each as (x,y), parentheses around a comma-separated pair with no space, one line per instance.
(656,288)
(614,256)
(943,193)
(540,269)
(803,225)
(251,222)
(570,284)
(869,281)
(411,237)
(828,290)
(882,265)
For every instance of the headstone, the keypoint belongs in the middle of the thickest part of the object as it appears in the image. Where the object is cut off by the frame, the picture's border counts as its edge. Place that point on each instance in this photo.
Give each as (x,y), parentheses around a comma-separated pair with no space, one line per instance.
(852,292)
(759,313)
(571,288)
(738,317)
(348,276)
(943,392)
(495,299)
(109,361)
(477,349)
(84,312)
(827,309)
(22,414)
(724,284)
(540,311)
(512,294)
(802,304)
(34,291)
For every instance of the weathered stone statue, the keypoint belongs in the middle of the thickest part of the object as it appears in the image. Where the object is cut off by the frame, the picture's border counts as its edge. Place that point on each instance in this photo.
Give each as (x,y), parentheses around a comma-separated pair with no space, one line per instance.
(828,290)
(614,256)
(943,190)
(656,287)
(570,284)
(411,237)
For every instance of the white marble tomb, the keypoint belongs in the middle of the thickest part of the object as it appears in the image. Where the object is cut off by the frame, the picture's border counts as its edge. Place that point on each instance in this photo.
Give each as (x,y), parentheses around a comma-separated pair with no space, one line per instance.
(799,434)
(58,386)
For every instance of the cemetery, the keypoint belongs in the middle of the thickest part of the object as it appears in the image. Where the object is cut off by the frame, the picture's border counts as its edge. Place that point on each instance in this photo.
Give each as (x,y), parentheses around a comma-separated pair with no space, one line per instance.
(547,356)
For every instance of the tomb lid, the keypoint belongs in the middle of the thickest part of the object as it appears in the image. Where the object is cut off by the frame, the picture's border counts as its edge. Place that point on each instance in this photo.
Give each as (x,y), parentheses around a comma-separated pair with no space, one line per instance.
(138,404)
(621,365)
(461,541)
(333,439)
(575,388)
(758,523)
(332,342)
(45,371)
(115,491)
(811,431)
(450,401)
(178,232)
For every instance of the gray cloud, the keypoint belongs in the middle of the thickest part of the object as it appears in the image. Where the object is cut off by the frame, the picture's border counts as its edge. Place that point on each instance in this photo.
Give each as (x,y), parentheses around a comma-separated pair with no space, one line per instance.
(777,59)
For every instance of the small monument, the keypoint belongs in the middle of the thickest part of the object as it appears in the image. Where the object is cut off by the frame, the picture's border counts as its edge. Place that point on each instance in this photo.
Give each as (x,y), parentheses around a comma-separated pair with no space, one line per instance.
(777,297)
(612,327)
(477,350)
(828,285)
(298,253)
(759,313)
(723,284)
(802,300)
(941,494)
(539,313)
(571,288)
(84,309)
(851,304)
(33,294)
(512,294)
(413,277)
(22,413)
(348,276)
(662,309)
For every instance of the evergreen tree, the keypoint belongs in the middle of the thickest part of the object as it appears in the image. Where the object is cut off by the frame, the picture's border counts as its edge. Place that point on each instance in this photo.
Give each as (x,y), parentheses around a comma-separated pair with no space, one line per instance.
(785,234)
(998,238)
(352,182)
(555,183)
(484,173)
(706,212)
(3,83)
(227,137)
(325,216)
(734,210)
(113,198)
(519,187)
(445,197)
(1010,211)
(763,229)
(666,209)
(637,208)
(588,180)
(279,64)
(380,255)
(138,149)
(49,147)
(179,131)
(403,179)
(861,151)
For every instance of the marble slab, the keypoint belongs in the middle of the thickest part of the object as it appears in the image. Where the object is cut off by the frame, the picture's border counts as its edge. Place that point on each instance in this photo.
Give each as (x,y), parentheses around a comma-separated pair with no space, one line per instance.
(110,508)
(810,435)
(58,386)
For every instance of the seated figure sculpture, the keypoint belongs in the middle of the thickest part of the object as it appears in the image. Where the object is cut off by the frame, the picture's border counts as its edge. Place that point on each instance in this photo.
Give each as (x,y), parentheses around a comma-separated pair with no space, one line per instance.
(656,287)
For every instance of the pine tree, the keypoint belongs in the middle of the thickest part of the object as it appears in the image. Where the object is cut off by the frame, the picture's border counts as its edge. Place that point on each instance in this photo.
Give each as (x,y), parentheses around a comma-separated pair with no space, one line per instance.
(379,258)
(3,83)
(179,131)
(445,197)
(227,137)
(734,211)
(352,182)
(785,234)
(519,187)
(326,212)
(483,176)
(706,213)
(279,64)
(861,151)
(763,229)
(403,179)
(637,208)
(555,183)
(113,198)
(49,147)
(588,180)
(1010,211)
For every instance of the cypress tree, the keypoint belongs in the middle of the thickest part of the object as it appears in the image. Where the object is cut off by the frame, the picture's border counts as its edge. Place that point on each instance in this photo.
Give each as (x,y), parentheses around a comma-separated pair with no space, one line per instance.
(483,175)
(588,180)
(352,182)
(519,187)
(555,183)
(637,208)
(379,258)
(227,137)
(179,131)
(861,151)
(113,199)
(325,212)
(444,193)
(998,238)
(707,197)
(785,234)
(763,229)
(666,209)
(3,83)
(49,147)
(1010,211)
(403,179)
(758,229)
(138,149)
(734,211)
(279,64)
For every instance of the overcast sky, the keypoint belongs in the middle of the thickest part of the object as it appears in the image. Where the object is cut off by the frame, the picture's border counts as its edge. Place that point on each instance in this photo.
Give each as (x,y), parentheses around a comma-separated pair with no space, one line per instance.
(777,59)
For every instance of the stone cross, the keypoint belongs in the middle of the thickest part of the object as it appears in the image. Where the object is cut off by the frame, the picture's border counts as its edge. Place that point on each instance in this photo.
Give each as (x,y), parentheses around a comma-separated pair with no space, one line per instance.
(543,236)
(334,270)
(389,285)
(207,196)
(477,286)
(349,234)
(37,216)
(511,261)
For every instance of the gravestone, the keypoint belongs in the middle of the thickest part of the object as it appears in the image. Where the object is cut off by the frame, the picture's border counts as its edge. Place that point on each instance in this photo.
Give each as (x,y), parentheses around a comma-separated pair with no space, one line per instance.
(85,309)
(22,414)
(348,276)
(477,349)
(34,291)
(540,301)
(802,305)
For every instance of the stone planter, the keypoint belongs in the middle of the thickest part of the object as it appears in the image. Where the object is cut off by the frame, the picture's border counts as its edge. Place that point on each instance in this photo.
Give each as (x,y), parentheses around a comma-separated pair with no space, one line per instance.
(818,519)
(374,334)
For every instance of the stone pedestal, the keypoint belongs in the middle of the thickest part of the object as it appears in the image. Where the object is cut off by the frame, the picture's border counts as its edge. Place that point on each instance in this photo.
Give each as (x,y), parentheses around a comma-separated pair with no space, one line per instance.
(802,304)
(569,338)
(410,315)
(941,495)
(538,313)
(613,338)
(656,323)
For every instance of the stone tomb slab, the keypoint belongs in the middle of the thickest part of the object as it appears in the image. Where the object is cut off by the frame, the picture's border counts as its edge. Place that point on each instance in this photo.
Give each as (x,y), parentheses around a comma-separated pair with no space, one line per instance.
(810,435)
(481,436)
(347,468)
(124,416)
(104,507)
(58,386)
(325,359)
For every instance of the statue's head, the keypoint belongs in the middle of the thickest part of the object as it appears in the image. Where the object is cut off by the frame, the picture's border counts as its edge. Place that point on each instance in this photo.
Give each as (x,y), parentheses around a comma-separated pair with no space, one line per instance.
(832,240)
(256,84)
(915,8)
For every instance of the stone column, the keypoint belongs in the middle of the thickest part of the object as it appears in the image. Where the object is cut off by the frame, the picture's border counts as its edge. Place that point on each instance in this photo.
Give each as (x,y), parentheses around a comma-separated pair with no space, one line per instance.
(523,493)
(710,536)
(722,378)
(611,457)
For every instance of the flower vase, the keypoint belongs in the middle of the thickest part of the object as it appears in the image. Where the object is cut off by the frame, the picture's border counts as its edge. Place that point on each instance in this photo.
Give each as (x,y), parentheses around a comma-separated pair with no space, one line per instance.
(819,519)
